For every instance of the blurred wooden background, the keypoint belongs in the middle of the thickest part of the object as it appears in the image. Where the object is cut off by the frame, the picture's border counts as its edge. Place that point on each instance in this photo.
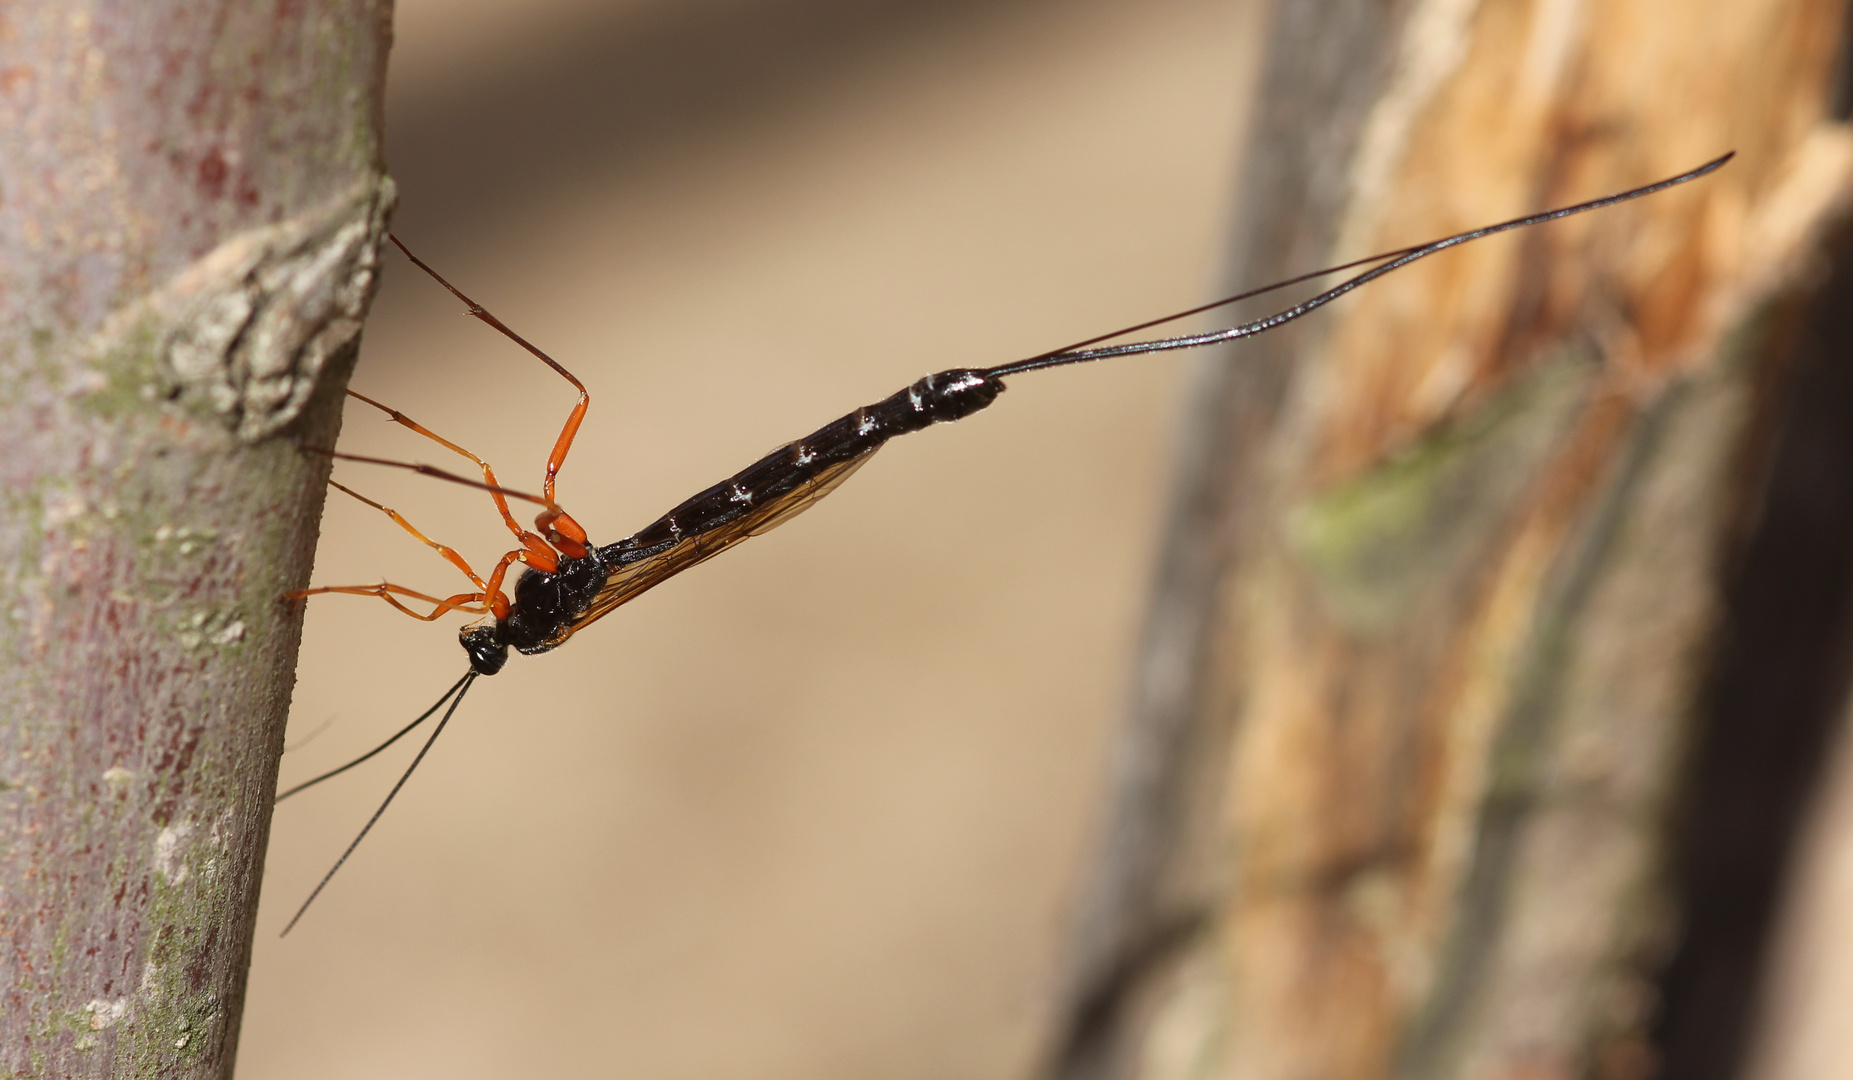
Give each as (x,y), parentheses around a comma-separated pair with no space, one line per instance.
(1501,634)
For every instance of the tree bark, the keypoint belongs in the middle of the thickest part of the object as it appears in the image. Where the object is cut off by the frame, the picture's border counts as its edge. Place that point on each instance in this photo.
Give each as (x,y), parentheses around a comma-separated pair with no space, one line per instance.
(192,197)
(1434,629)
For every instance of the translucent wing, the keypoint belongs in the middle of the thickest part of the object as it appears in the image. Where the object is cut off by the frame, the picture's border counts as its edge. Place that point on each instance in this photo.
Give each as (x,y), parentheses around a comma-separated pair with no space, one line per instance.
(630,581)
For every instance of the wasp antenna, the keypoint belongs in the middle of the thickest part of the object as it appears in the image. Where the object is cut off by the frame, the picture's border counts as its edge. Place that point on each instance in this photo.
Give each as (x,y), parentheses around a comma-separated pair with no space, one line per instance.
(426,715)
(462,688)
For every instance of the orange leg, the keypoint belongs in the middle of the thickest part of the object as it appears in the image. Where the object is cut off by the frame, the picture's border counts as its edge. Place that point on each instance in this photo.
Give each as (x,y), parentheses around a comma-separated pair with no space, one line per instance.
(562,535)
(471,603)
(499,603)
(528,539)
(449,553)
(559,527)
(490,598)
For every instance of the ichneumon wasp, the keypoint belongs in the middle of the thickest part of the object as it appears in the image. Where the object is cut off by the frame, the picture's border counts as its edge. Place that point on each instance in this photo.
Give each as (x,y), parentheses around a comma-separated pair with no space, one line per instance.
(567,582)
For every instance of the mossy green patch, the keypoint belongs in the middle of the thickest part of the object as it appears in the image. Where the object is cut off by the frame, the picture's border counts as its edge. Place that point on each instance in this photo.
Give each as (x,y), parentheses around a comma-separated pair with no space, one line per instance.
(128,370)
(1378,542)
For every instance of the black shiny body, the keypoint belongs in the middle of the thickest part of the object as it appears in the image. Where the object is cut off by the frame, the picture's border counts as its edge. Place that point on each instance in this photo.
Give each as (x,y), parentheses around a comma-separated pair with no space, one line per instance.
(548,608)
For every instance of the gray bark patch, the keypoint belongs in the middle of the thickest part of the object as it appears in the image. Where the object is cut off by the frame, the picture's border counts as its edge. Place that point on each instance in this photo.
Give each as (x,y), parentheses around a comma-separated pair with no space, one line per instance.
(248,329)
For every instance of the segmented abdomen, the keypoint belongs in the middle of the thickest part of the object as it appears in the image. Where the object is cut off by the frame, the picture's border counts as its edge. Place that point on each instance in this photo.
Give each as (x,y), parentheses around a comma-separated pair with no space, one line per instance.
(936,399)
(549,608)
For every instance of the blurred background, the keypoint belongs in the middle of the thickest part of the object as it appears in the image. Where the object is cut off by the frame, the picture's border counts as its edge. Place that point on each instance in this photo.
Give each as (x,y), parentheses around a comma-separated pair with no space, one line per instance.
(819,808)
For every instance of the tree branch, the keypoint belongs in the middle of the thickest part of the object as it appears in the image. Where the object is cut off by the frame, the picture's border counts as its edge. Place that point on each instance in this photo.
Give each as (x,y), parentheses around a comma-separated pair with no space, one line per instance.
(192,198)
